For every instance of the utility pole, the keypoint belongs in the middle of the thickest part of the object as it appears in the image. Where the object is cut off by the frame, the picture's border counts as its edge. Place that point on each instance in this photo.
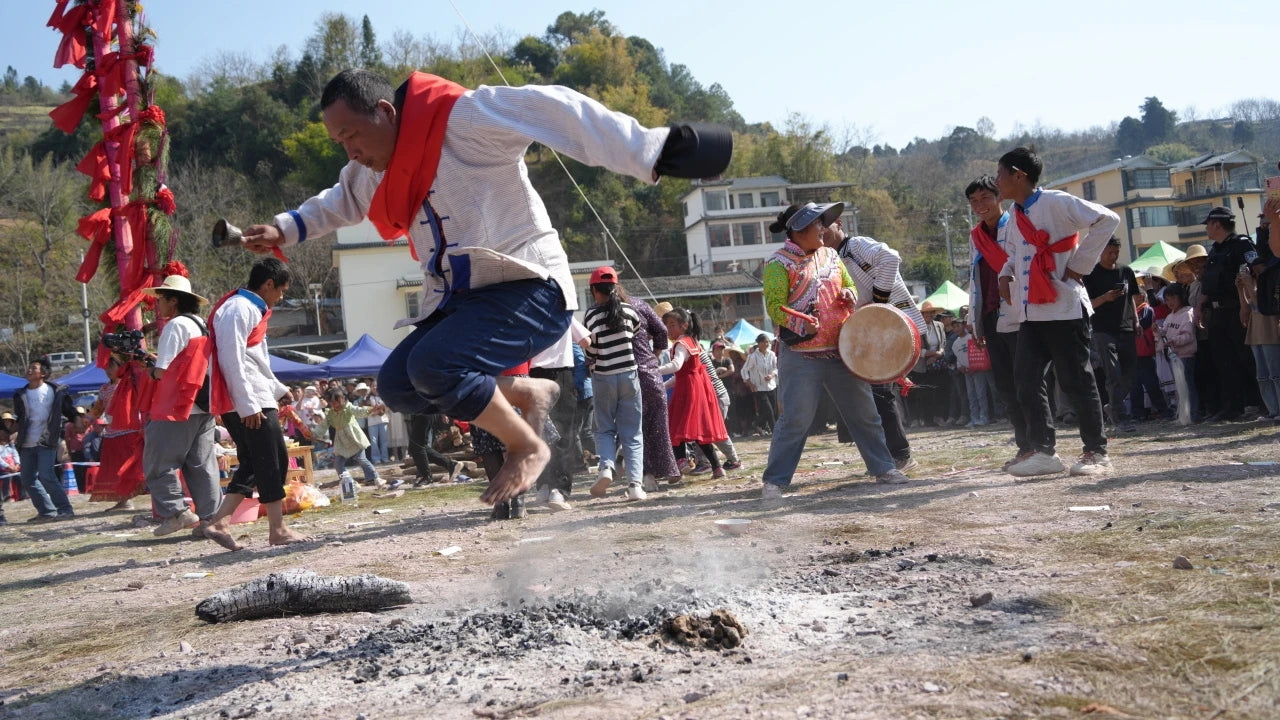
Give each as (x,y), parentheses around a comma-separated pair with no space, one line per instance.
(315,293)
(855,220)
(84,314)
(946,226)
(604,240)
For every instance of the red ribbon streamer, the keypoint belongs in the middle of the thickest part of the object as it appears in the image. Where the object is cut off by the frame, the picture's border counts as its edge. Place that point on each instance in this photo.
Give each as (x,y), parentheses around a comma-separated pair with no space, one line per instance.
(1041,290)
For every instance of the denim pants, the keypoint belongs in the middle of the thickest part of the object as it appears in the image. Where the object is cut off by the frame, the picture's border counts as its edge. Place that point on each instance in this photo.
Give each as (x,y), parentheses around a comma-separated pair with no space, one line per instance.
(377,433)
(617,421)
(42,483)
(981,388)
(801,382)
(448,365)
(1266,359)
(1065,344)
(340,465)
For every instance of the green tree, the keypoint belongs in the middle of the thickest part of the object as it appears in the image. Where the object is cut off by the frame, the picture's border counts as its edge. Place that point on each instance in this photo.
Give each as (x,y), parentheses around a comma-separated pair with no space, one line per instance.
(314,157)
(1158,123)
(370,55)
(932,268)
(1170,152)
(570,27)
(1242,133)
(1130,137)
(539,55)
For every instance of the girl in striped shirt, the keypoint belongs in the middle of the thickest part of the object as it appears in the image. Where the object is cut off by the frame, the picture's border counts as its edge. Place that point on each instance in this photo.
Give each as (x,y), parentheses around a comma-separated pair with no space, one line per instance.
(615,383)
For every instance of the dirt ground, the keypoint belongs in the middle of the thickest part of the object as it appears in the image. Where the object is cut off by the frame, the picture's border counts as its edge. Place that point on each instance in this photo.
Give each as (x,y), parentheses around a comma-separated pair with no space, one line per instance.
(855,600)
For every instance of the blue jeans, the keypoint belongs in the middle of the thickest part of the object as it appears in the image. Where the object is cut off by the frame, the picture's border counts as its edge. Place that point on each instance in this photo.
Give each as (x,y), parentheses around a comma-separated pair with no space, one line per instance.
(42,482)
(1267,360)
(617,421)
(981,388)
(448,365)
(340,464)
(800,381)
(378,442)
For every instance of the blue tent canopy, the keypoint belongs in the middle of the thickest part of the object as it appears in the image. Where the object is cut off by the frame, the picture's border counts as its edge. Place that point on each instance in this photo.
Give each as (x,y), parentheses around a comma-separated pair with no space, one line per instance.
(290,371)
(10,384)
(86,379)
(364,357)
(744,333)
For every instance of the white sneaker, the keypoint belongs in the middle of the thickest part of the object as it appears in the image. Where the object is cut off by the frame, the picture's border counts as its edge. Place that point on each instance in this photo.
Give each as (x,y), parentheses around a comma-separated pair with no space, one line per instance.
(1092,464)
(635,492)
(649,484)
(1038,464)
(907,465)
(771,492)
(893,477)
(603,481)
(544,495)
(555,501)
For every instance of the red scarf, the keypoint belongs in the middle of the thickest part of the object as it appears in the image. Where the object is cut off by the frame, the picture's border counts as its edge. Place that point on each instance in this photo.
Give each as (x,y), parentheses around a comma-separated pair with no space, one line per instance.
(988,248)
(219,397)
(1043,265)
(175,393)
(412,170)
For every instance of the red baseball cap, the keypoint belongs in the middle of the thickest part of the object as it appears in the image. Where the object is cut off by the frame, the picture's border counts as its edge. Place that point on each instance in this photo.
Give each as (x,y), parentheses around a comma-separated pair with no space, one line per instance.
(604,274)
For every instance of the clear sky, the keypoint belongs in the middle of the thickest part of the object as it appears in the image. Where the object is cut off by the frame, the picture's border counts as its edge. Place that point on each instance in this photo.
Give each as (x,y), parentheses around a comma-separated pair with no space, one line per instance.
(890,70)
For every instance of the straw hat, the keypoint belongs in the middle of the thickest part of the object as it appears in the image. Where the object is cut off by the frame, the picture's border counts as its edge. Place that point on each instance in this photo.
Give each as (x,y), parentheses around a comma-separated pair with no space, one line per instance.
(175,283)
(927,306)
(1196,251)
(663,308)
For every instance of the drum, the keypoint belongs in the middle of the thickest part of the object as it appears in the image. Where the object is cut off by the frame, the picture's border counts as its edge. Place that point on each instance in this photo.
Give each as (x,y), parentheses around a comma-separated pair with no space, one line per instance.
(879,343)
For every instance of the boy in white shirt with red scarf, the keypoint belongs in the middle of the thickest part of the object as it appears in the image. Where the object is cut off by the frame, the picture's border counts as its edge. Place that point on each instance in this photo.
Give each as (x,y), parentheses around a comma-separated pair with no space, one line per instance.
(1043,282)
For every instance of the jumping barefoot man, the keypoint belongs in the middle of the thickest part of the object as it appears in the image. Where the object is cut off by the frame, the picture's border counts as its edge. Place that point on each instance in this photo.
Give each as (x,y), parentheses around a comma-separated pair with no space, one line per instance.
(444,165)
(245,392)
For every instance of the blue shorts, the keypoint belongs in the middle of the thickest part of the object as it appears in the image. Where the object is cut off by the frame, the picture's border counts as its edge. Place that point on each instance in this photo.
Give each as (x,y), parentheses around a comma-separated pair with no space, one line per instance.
(449,363)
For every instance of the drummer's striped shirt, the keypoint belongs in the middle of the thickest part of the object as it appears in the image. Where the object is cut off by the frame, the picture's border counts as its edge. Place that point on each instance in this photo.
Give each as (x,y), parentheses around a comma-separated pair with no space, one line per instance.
(611,348)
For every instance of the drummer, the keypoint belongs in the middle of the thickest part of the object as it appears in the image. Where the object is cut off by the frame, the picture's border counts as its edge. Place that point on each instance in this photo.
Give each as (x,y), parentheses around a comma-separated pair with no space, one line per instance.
(807,278)
(873,266)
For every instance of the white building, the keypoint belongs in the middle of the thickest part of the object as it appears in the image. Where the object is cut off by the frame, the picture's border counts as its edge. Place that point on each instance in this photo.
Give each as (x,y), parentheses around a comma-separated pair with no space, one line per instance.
(381,283)
(726,222)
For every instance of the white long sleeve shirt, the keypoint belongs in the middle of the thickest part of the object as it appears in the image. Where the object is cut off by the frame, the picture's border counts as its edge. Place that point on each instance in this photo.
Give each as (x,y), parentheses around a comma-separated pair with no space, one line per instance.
(247,370)
(482,197)
(1060,215)
(758,366)
(873,264)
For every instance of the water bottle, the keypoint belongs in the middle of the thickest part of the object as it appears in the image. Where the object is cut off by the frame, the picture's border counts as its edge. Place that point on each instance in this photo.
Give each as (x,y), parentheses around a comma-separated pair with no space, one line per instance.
(348,487)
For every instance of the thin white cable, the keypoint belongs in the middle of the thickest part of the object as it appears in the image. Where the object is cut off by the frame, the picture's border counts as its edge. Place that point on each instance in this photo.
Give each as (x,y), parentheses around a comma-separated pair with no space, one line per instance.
(608,233)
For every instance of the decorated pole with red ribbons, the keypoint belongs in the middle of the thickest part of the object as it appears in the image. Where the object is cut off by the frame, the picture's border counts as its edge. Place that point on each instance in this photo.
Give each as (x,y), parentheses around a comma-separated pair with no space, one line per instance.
(108,40)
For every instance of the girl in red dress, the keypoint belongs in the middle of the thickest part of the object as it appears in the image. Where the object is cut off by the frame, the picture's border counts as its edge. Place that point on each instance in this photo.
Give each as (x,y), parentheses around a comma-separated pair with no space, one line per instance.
(693,412)
(120,477)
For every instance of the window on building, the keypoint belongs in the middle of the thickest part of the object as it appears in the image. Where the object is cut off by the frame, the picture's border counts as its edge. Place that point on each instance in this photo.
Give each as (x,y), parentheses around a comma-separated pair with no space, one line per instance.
(1158,216)
(746,299)
(719,235)
(1244,177)
(716,199)
(1148,179)
(770,199)
(746,265)
(747,234)
(1194,215)
(1089,191)
(745,200)
(411,304)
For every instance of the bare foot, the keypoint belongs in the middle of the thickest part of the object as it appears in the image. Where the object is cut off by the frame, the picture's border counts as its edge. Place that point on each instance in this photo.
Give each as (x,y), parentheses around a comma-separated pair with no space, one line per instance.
(218,535)
(518,473)
(534,397)
(288,537)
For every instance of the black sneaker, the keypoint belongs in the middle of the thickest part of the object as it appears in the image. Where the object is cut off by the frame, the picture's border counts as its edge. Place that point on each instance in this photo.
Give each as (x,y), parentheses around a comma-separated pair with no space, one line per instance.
(42,519)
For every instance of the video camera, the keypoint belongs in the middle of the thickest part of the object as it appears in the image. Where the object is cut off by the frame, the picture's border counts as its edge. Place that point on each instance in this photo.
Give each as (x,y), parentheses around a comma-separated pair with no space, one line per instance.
(127,343)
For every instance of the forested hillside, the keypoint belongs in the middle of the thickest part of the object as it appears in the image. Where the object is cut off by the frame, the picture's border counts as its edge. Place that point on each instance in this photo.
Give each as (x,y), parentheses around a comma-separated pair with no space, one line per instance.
(247,143)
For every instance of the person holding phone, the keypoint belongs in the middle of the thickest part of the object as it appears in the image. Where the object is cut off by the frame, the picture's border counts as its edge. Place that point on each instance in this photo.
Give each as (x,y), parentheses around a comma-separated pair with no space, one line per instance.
(1115,293)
